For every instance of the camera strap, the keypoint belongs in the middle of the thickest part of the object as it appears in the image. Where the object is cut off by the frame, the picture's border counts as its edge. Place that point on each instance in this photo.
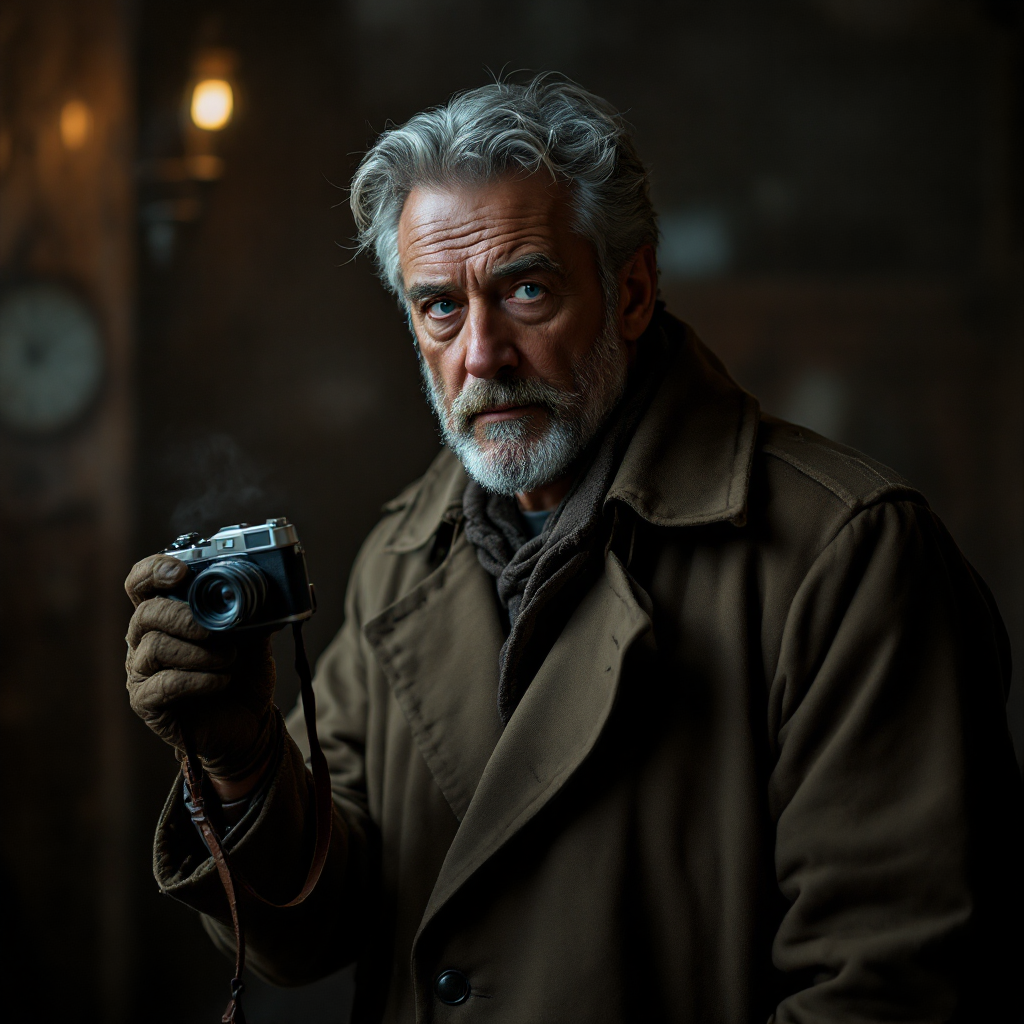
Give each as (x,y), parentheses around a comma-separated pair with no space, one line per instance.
(323,812)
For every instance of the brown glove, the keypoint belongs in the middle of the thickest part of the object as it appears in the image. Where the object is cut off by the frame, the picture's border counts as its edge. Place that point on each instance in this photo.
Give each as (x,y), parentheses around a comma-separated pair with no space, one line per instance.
(182,679)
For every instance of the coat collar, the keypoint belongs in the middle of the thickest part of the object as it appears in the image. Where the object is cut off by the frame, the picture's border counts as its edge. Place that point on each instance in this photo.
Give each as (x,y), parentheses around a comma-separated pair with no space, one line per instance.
(425,504)
(688,463)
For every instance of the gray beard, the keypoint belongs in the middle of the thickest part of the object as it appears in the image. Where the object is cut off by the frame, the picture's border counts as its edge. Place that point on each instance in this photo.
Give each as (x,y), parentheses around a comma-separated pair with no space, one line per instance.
(514,455)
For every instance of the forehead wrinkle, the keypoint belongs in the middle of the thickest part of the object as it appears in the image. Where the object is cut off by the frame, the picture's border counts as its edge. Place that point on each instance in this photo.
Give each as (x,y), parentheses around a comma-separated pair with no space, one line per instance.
(441,235)
(447,243)
(475,262)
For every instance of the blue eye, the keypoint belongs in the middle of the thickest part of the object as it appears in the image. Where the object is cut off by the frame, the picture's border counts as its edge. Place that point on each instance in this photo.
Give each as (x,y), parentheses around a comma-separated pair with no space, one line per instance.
(528,291)
(443,307)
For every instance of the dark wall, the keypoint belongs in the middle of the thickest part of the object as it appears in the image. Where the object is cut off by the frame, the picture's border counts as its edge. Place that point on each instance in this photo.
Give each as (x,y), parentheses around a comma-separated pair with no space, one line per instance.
(838,182)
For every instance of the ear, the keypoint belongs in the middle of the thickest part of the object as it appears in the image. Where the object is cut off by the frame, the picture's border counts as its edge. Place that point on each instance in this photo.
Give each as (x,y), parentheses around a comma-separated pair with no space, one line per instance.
(638,290)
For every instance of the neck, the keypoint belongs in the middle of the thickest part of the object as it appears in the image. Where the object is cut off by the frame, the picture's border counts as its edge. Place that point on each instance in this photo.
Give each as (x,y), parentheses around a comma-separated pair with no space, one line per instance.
(544,499)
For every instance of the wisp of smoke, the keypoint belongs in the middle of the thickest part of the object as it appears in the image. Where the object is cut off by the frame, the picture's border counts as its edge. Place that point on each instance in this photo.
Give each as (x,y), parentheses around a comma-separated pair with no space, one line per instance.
(220,480)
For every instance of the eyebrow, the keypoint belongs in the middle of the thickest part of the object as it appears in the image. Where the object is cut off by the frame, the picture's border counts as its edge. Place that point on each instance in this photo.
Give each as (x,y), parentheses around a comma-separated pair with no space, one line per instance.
(521,265)
(524,264)
(419,292)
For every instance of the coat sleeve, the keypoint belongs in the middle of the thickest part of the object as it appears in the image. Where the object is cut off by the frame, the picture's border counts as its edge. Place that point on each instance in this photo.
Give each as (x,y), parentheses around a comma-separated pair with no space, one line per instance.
(895,792)
(272,846)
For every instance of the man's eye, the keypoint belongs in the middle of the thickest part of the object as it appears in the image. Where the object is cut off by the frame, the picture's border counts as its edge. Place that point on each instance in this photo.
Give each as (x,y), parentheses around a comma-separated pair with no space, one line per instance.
(528,291)
(442,308)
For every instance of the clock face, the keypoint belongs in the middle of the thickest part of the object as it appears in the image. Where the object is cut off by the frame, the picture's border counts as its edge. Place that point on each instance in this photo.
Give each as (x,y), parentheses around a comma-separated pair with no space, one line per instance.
(51,358)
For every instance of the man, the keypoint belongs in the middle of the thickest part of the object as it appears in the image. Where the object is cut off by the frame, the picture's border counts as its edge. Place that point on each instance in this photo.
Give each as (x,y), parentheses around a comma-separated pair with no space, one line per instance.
(646,706)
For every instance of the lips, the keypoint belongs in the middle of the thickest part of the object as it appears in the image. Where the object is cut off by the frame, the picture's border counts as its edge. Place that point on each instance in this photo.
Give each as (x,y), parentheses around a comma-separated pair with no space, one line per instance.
(497,413)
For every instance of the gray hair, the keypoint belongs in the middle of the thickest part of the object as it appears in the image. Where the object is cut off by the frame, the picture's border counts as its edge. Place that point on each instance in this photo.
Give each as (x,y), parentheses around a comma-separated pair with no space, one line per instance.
(499,129)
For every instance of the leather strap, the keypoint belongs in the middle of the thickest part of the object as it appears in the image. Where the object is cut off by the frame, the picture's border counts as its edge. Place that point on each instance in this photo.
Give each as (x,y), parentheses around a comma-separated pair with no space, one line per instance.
(323,806)
(233,1013)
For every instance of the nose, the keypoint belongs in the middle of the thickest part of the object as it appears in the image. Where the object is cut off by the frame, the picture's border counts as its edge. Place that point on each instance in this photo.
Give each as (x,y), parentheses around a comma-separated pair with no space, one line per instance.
(490,346)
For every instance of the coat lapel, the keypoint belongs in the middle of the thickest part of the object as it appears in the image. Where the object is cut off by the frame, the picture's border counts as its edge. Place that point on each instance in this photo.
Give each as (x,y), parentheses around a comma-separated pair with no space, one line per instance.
(553,729)
(439,648)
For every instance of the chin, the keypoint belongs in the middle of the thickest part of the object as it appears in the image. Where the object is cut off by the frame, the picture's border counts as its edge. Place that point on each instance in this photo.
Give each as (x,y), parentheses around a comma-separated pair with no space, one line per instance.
(512,467)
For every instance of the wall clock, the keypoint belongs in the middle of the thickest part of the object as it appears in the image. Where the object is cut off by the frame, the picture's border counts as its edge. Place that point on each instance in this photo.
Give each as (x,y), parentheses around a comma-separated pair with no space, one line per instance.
(51,358)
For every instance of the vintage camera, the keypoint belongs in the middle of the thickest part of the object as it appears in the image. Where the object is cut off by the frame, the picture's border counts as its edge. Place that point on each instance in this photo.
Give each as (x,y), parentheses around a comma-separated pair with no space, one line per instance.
(245,577)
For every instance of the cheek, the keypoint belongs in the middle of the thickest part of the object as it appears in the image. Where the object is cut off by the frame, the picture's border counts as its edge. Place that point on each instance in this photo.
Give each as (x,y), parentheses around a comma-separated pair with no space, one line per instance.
(444,370)
(553,354)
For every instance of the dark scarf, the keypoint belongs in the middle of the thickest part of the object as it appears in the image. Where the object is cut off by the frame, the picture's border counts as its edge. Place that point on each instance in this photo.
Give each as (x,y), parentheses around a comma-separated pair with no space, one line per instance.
(570,551)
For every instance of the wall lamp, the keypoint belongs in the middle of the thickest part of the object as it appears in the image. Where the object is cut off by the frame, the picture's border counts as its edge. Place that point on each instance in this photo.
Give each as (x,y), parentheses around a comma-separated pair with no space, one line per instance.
(209,104)
(213,103)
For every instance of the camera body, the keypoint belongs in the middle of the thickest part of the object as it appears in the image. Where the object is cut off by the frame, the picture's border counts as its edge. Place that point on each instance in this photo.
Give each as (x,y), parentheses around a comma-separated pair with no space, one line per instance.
(245,577)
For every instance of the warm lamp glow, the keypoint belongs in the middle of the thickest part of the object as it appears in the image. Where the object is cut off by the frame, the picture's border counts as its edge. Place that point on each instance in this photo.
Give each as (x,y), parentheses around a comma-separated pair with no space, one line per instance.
(75,124)
(212,103)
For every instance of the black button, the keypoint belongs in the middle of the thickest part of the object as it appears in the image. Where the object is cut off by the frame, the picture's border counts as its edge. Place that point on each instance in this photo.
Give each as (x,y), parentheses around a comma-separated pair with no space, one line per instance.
(452,987)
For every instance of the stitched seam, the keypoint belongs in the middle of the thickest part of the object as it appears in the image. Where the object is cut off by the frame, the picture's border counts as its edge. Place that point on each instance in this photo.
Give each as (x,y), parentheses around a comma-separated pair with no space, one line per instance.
(853,459)
(826,481)
(632,499)
(750,448)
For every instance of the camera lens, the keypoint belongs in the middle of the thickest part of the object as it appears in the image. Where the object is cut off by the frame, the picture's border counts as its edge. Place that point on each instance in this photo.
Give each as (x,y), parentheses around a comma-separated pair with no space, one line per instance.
(227,594)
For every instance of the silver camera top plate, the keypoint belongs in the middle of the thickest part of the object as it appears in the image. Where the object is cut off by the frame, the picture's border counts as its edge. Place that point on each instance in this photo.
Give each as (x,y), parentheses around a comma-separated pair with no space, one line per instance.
(235,540)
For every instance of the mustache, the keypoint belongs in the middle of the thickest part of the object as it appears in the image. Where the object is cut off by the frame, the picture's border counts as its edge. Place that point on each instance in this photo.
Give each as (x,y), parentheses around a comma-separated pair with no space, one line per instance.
(480,395)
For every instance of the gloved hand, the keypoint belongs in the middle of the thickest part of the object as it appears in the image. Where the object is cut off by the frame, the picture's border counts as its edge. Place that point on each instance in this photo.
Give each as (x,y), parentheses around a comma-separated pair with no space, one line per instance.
(182,679)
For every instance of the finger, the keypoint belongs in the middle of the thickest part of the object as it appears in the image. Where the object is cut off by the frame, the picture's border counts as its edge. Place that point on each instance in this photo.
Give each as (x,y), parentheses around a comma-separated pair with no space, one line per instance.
(152,696)
(158,651)
(165,615)
(153,574)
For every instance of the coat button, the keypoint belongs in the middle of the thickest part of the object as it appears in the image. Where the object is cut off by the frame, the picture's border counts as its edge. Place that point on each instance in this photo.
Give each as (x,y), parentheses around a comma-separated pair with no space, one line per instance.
(452,987)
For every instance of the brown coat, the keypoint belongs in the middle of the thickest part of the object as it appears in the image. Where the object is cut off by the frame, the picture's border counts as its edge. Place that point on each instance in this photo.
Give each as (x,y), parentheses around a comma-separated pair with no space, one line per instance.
(764,769)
